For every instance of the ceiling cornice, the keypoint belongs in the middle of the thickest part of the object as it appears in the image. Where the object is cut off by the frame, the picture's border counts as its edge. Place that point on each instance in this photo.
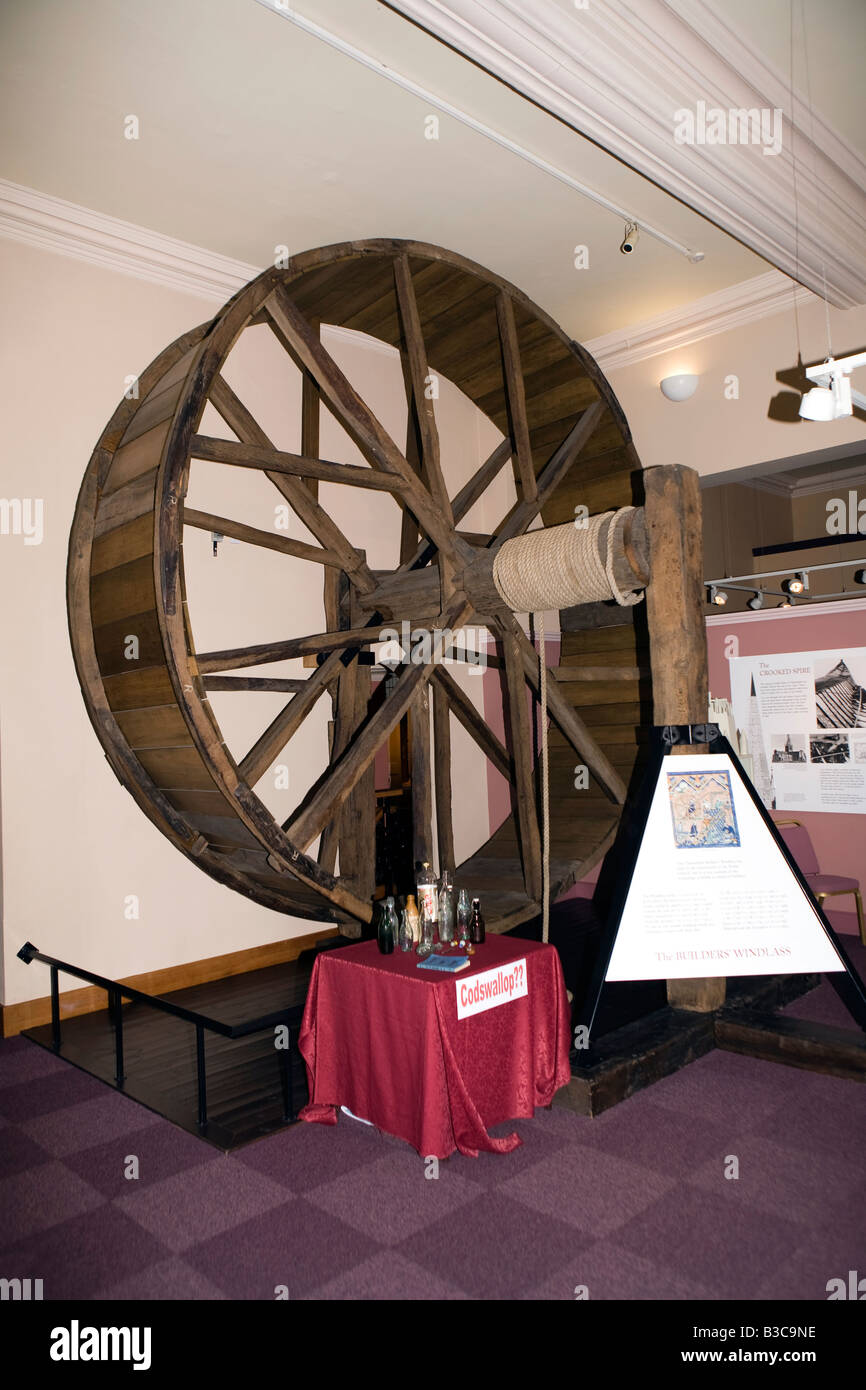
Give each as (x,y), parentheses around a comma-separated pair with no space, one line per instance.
(53,224)
(620,72)
(758,298)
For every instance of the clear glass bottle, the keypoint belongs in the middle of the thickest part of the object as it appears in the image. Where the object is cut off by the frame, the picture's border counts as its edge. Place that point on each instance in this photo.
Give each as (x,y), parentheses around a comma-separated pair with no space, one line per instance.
(446,909)
(427,890)
(428,931)
(405,938)
(463,915)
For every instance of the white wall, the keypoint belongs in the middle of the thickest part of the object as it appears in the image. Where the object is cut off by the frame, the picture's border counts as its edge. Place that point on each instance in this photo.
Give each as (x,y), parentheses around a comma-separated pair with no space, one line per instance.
(713,434)
(74,844)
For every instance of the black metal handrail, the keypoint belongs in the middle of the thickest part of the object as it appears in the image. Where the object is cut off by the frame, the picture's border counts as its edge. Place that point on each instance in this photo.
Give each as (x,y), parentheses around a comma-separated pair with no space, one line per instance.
(117,992)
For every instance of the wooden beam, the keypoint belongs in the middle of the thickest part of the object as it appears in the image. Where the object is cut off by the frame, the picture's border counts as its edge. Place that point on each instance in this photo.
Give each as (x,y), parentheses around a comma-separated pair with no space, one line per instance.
(599,673)
(357,418)
(422,813)
(524,782)
(239,455)
(314,517)
(678,642)
(333,789)
(564,715)
(421,403)
(552,474)
(288,721)
(515,394)
(234,683)
(465,499)
(236,658)
(252,535)
(797,1042)
(442,765)
(464,710)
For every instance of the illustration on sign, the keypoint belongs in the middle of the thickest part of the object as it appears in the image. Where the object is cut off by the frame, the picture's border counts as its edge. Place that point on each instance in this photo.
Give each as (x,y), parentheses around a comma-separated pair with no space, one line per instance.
(702,808)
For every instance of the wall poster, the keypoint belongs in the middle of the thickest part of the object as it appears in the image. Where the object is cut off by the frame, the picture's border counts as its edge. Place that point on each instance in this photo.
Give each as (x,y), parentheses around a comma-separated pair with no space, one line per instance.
(803,715)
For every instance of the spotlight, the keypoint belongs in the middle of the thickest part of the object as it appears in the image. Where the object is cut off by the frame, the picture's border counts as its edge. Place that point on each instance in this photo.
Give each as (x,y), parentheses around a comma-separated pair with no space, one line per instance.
(786,603)
(798,584)
(718,596)
(756,602)
(860,576)
(630,239)
(818,404)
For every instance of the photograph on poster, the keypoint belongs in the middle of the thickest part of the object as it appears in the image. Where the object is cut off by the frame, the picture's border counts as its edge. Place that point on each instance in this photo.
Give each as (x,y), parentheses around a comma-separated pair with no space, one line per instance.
(799,716)
(840,700)
(829,748)
(702,809)
(788,748)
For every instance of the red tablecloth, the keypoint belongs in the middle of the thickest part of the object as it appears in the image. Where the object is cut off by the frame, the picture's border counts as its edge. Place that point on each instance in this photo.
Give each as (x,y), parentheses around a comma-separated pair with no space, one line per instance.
(383,1038)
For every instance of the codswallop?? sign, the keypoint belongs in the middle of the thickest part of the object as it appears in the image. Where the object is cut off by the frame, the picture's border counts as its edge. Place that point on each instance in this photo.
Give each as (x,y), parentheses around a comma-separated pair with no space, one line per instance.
(490,988)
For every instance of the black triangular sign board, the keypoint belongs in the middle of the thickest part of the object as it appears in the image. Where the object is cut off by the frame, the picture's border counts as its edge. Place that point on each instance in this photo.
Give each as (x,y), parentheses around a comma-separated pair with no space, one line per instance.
(704,884)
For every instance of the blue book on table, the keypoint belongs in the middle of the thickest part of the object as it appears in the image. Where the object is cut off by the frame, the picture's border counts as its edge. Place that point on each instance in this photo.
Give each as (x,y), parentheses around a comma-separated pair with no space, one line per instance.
(450,964)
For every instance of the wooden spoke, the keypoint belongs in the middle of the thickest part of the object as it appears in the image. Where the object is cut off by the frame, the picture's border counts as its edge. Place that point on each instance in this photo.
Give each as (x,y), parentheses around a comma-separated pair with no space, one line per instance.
(224,526)
(236,658)
(552,474)
(288,721)
(465,711)
(233,683)
(356,417)
(465,499)
(521,741)
(515,395)
(299,465)
(442,746)
(421,403)
(310,411)
(337,783)
(564,714)
(314,517)
(345,720)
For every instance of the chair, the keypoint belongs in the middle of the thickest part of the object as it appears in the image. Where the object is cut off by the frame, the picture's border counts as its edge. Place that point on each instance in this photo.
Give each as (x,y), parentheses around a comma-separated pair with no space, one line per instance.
(797,838)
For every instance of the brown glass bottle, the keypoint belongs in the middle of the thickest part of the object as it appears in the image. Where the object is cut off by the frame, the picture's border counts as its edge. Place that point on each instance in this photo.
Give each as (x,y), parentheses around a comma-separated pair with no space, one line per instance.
(476,923)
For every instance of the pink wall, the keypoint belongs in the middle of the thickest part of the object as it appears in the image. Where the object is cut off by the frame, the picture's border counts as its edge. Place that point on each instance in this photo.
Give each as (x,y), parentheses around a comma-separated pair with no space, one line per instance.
(839,840)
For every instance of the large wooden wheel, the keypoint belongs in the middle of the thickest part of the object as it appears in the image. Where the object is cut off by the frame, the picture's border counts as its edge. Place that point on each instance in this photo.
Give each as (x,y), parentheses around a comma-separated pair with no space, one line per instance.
(567,441)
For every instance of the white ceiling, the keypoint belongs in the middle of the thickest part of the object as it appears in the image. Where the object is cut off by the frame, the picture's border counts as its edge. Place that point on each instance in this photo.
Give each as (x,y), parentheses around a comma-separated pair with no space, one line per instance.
(253,134)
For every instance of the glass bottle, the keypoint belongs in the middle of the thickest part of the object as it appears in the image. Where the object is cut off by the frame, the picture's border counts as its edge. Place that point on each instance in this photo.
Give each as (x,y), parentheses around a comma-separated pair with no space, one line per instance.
(476,924)
(385,930)
(414,917)
(405,937)
(427,890)
(428,927)
(446,909)
(463,915)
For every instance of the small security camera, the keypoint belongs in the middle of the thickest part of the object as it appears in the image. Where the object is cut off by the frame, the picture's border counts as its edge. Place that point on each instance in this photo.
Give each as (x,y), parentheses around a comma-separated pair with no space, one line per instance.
(630,240)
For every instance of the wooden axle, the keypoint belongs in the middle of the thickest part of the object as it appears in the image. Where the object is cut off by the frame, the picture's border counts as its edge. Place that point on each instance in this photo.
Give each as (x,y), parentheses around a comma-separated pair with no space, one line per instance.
(416,592)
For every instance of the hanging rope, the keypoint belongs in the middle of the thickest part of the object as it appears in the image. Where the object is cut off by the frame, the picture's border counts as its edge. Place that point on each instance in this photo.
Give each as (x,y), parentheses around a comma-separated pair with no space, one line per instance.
(560,566)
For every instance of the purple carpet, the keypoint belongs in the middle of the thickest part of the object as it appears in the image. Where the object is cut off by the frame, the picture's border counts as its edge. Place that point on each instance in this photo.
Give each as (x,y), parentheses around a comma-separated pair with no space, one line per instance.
(635,1204)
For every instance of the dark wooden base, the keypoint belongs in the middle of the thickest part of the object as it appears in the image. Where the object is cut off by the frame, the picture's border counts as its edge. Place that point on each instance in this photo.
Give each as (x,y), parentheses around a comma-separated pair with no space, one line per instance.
(628,1059)
(794,1041)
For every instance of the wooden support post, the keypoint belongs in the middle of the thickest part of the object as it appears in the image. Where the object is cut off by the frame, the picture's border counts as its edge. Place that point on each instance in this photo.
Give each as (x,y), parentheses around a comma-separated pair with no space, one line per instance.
(422,830)
(442,746)
(678,642)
